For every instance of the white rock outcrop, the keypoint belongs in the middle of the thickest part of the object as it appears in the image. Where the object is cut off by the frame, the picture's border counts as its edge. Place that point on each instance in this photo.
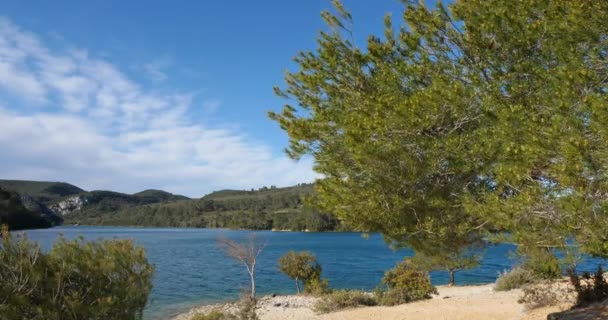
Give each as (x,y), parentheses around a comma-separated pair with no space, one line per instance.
(69,205)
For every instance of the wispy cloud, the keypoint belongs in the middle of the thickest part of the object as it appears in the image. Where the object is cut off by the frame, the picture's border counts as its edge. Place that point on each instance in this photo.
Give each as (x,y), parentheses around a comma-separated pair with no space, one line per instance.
(156,70)
(211,105)
(88,123)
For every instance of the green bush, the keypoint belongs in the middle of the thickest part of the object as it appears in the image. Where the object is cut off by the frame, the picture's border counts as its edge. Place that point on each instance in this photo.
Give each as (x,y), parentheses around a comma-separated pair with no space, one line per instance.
(542,262)
(299,266)
(515,279)
(317,286)
(344,299)
(303,266)
(405,283)
(108,279)
(214,315)
(591,289)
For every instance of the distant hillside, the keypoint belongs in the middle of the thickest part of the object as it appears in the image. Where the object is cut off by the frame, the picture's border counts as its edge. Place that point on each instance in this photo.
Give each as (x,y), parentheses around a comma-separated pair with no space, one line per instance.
(59,199)
(152,195)
(40,190)
(15,214)
(298,190)
(265,208)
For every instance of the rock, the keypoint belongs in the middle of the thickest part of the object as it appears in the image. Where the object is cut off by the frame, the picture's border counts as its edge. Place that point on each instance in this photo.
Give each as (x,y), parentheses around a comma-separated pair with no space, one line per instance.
(69,205)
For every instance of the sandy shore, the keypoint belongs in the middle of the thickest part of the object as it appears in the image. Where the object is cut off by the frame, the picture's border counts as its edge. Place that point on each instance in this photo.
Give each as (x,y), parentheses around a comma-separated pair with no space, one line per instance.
(454,303)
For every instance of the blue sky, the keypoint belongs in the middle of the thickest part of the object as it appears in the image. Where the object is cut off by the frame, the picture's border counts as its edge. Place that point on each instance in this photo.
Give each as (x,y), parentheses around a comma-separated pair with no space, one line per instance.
(129,95)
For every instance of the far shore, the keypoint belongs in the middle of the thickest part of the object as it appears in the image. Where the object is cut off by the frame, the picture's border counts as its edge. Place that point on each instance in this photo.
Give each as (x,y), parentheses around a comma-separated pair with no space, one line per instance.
(474,302)
(177,227)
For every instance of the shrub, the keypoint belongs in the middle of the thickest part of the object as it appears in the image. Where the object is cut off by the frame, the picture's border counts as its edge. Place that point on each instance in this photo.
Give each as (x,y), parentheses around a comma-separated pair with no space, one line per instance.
(214,315)
(541,295)
(317,286)
(515,279)
(247,309)
(542,262)
(303,266)
(108,279)
(343,299)
(591,289)
(547,293)
(405,283)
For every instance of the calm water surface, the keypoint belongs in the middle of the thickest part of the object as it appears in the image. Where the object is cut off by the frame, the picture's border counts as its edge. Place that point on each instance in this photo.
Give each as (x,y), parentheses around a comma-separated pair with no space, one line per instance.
(190,270)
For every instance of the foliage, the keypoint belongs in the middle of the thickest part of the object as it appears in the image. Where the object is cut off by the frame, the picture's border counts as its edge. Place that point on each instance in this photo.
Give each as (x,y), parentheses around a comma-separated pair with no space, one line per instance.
(541,262)
(343,299)
(301,266)
(317,286)
(107,279)
(446,256)
(405,283)
(464,118)
(214,315)
(515,278)
(589,289)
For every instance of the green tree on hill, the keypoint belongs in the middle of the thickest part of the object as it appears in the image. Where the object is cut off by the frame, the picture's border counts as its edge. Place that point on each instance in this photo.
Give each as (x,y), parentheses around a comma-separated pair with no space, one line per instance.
(462,119)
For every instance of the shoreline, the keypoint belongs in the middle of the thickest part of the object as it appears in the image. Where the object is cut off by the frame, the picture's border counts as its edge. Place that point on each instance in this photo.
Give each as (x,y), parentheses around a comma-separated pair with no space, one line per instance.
(470,302)
(70,225)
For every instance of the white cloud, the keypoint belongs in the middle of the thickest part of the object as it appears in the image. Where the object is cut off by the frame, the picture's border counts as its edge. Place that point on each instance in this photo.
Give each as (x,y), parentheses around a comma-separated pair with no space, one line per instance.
(105,131)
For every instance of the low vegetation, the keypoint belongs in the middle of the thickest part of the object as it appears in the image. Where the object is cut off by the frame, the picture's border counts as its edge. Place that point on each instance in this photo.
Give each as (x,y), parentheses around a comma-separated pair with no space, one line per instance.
(515,278)
(214,315)
(405,283)
(589,288)
(543,294)
(344,299)
(106,279)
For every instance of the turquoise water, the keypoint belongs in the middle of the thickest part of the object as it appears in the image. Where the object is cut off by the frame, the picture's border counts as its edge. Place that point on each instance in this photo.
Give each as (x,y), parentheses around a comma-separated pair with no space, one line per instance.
(190,270)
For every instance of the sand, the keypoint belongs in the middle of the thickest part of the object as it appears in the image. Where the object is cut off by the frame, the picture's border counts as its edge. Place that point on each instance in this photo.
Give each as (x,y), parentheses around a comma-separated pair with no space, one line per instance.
(455,303)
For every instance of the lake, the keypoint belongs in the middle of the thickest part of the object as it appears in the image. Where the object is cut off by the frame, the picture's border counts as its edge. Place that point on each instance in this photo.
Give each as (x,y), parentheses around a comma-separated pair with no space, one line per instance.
(191,270)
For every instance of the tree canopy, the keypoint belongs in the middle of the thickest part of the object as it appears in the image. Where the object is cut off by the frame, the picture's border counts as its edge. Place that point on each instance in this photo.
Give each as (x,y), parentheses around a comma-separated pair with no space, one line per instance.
(300,266)
(482,115)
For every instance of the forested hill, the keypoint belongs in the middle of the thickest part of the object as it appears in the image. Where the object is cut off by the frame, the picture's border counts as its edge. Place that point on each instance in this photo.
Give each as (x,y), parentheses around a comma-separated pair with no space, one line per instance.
(54,201)
(265,208)
(15,212)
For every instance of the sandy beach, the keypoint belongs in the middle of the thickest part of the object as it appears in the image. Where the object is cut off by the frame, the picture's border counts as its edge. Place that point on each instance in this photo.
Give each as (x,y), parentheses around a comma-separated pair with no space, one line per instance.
(479,302)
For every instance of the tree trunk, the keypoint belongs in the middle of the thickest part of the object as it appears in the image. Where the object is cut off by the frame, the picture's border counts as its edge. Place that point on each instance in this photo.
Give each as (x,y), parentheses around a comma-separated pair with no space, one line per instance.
(297,286)
(252,286)
(452,280)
